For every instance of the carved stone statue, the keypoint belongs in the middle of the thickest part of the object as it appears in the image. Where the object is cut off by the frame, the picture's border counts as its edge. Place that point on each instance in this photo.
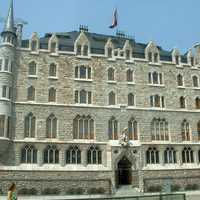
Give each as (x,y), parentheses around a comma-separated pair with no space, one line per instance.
(124,140)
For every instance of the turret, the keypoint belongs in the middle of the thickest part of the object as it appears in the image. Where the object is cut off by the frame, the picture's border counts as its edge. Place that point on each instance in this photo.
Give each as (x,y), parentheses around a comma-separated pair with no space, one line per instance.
(9,32)
(7,72)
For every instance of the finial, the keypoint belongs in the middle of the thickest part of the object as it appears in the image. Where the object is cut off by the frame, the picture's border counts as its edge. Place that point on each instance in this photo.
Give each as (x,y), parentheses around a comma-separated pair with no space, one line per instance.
(9,23)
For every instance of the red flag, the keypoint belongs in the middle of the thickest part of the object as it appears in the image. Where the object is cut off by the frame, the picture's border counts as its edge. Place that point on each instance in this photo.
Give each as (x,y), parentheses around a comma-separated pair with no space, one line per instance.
(115,21)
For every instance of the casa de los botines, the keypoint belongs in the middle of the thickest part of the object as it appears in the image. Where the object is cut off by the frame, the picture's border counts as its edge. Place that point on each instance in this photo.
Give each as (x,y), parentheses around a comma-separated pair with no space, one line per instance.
(82,110)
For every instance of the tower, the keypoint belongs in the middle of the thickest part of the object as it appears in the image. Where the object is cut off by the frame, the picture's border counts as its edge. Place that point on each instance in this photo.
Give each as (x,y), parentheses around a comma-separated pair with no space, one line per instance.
(7,71)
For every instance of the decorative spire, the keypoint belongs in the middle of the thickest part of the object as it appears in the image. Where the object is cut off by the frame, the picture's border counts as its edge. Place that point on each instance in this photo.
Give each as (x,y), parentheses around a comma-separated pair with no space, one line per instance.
(9,23)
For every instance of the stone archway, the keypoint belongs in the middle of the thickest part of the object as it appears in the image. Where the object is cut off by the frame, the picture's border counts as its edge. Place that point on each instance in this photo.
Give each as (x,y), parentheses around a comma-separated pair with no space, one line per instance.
(124,172)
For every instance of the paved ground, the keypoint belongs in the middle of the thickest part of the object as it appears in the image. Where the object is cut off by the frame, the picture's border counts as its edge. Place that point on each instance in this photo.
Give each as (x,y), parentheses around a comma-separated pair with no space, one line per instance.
(193,195)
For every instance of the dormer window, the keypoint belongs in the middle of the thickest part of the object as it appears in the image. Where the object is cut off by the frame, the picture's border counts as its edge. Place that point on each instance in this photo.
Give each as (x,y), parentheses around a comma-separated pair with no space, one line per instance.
(53,47)
(156,57)
(85,50)
(78,50)
(150,57)
(177,60)
(82,45)
(192,61)
(128,54)
(33,45)
(110,52)
(152,53)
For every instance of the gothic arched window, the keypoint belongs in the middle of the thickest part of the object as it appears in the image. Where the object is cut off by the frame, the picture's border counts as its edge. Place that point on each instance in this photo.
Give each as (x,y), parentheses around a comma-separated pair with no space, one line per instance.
(152,156)
(51,126)
(113,129)
(111,98)
(31,94)
(32,69)
(2,125)
(155,78)
(94,155)
(132,129)
(170,155)
(83,127)
(197,101)
(180,80)
(131,99)
(129,76)
(182,102)
(29,126)
(159,129)
(187,155)
(198,130)
(29,154)
(52,95)
(51,155)
(111,74)
(73,155)
(195,81)
(52,70)
(185,130)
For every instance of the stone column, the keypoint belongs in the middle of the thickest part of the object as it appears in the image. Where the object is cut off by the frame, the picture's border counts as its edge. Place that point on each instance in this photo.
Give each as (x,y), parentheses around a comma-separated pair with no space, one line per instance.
(17,155)
(196,156)
(161,155)
(62,157)
(40,156)
(179,155)
(84,156)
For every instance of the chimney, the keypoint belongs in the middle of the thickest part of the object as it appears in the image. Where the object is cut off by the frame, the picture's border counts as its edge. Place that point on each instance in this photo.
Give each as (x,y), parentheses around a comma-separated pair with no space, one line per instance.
(19,33)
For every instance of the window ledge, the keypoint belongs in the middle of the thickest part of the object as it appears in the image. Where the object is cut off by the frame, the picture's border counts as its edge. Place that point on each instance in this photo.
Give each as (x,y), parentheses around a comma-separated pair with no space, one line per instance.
(112,82)
(32,76)
(54,54)
(111,59)
(83,57)
(196,88)
(155,64)
(5,99)
(84,80)
(179,66)
(34,52)
(53,77)
(194,68)
(156,85)
(129,61)
(7,72)
(4,138)
(30,101)
(134,106)
(83,104)
(157,108)
(181,87)
(130,83)
(8,44)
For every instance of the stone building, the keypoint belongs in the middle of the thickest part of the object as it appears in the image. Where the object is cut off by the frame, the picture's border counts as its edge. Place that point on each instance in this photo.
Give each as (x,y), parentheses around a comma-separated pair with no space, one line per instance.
(85,110)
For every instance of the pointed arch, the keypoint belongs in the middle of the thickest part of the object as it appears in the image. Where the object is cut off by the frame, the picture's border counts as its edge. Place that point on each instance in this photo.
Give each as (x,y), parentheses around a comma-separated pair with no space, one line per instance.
(113,129)
(111,98)
(51,126)
(152,53)
(94,155)
(52,95)
(176,57)
(109,48)
(133,129)
(82,45)
(185,130)
(29,154)
(30,126)
(32,68)
(53,44)
(128,50)
(34,42)
(31,94)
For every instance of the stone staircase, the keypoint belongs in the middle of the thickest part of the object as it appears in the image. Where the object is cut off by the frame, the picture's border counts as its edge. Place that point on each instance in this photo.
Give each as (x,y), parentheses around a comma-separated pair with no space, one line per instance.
(127,190)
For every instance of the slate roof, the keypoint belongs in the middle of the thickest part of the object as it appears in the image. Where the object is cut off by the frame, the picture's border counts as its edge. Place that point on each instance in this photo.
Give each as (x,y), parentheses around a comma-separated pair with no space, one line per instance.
(98,42)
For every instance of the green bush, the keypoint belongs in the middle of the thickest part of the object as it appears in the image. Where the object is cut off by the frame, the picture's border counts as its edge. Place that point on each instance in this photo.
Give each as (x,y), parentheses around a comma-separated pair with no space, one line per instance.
(155,188)
(192,187)
(51,191)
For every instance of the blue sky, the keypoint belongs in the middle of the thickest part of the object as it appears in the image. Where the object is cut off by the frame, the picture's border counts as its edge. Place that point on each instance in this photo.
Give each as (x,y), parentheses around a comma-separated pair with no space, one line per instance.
(170,23)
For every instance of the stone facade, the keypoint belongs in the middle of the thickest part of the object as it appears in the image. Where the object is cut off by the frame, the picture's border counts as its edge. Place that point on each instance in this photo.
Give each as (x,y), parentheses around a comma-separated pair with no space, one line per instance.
(141,59)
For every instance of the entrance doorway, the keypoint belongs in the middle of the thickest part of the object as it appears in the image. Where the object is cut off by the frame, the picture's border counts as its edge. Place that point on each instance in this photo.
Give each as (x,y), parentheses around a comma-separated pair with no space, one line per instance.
(124,172)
